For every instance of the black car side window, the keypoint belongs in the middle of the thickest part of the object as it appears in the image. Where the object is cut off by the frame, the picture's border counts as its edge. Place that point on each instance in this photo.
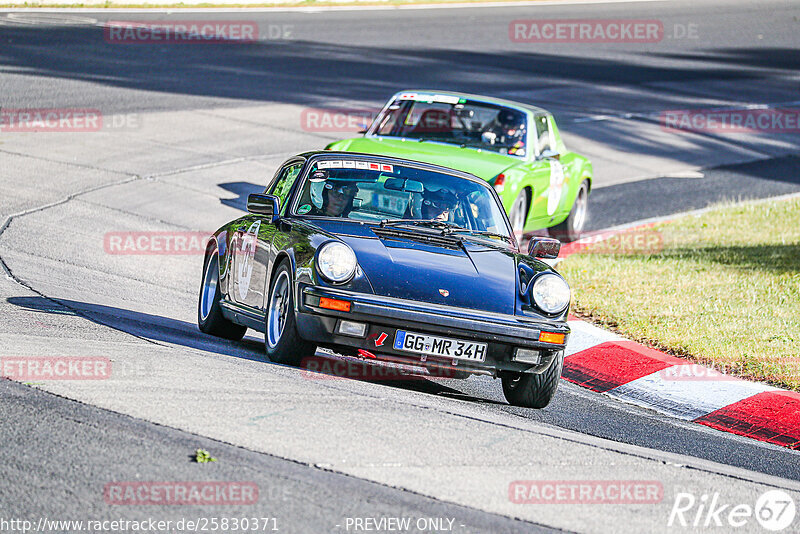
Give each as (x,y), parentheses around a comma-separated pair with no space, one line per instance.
(281,187)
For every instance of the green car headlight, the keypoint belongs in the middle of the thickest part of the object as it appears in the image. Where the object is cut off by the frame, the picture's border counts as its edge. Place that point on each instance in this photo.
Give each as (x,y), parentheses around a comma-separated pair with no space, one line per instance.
(550,293)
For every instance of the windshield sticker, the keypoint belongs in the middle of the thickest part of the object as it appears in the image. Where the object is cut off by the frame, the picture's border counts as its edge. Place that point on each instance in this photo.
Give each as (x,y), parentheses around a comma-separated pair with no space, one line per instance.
(517,149)
(445,99)
(336,164)
(318,176)
(305,208)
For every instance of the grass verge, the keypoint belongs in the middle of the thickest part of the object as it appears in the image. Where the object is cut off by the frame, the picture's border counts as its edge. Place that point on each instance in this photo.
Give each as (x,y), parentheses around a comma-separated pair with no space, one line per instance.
(724,290)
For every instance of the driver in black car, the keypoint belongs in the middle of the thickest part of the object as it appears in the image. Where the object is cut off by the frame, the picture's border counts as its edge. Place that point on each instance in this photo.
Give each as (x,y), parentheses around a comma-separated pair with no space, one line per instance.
(437,204)
(337,197)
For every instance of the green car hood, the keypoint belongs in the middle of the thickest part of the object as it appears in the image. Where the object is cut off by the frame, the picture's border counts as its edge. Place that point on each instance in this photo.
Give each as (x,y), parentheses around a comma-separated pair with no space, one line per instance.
(482,164)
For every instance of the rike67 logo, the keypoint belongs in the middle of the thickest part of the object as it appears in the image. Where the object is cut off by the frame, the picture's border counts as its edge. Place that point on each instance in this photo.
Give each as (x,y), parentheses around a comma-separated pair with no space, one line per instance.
(774,511)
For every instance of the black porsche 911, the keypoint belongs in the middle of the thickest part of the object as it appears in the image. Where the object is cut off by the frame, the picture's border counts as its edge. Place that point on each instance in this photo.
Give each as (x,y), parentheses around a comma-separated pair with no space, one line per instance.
(394,260)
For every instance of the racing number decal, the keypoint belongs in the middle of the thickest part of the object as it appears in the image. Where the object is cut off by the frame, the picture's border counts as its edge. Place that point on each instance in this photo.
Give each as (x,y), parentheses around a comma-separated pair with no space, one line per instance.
(556,186)
(247,252)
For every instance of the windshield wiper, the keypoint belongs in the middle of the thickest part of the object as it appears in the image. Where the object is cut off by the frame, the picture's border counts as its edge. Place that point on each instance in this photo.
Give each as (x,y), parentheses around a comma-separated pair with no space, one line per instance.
(483,233)
(426,223)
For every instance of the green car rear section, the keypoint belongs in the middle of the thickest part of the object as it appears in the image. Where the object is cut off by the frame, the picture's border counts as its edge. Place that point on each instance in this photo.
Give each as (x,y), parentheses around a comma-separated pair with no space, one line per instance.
(541,188)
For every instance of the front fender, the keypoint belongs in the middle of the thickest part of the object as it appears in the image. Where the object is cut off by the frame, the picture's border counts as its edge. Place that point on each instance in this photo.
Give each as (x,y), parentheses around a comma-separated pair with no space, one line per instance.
(220,241)
(529,268)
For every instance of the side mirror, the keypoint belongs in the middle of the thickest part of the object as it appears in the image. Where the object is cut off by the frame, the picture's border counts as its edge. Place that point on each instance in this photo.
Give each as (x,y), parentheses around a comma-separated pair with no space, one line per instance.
(544,247)
(550,153)
(268,205)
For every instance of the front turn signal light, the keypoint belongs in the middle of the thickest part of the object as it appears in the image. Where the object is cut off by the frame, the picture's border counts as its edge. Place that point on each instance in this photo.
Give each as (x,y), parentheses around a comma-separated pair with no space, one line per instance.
(334,304)
(551,337)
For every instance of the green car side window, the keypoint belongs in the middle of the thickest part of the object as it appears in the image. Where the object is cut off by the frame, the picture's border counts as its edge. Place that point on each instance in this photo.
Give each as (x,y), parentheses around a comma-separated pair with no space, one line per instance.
(284,183)
(542,133)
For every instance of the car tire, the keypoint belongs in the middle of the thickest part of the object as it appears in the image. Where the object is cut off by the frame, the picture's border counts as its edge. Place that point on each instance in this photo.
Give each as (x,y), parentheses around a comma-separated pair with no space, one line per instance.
(572,227)
(518,214)
(209,312)
(282,342)
(530,390)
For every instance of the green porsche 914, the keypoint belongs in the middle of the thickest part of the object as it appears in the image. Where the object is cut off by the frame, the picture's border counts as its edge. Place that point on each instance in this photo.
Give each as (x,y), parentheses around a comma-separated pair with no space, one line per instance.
(515,147)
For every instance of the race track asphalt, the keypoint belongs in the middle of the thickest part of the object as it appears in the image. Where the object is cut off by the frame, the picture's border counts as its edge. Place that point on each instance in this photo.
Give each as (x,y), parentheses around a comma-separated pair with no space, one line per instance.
(202,126)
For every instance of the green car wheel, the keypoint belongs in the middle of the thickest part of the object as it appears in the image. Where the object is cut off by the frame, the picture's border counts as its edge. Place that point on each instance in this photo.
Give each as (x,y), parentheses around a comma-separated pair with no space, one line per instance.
(572,227)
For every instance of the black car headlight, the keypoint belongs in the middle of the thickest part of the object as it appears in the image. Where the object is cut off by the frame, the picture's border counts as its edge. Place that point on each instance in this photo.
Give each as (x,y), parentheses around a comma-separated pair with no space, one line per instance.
(550,293)
(336,262)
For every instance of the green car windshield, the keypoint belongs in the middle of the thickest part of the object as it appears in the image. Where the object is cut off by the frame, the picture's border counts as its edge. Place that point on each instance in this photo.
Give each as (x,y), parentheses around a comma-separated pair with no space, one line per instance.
(455,121)
(363,190)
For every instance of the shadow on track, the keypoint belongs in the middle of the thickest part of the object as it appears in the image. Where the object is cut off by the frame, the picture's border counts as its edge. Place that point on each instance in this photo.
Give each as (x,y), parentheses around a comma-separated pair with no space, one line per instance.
(167,330)
(633,201)
(145,326)
(315,74)
(242,189)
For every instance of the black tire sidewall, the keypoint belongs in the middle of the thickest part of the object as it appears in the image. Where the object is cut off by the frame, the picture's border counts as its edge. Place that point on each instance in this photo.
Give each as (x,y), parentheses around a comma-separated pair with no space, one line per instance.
(525,207)
(216,324)
(534,390)
(290,348)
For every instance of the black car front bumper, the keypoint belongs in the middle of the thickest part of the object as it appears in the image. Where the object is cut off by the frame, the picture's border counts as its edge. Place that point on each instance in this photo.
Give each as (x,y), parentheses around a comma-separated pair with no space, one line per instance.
(384,316)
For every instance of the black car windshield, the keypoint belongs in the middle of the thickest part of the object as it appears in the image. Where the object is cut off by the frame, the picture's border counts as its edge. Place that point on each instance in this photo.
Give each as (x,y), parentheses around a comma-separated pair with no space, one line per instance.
(456,121)
(391,194)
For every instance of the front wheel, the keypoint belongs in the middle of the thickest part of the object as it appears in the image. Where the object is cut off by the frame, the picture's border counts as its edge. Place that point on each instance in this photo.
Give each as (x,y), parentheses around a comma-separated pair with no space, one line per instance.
(531,390)
(570,229)
(209,312)
(283,343)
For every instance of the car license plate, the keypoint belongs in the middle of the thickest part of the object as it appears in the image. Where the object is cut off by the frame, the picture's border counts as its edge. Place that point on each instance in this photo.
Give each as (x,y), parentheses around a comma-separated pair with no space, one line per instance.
(439,346)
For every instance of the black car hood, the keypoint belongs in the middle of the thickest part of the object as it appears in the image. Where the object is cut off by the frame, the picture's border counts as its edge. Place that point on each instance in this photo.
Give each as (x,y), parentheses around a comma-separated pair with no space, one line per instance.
(469,274)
